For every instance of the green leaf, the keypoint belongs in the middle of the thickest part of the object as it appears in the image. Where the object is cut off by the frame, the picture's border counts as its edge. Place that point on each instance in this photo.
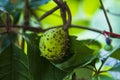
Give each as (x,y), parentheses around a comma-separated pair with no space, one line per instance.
(82,52)
(16,15)
(5,40)
(83,73)
(55,18)
(116,53)
(50,20)
(92,44)
(13,64)
(19,5)
(36,3)
(115,71)
(6,6)
(116,68)
(90,9)
(74,7)
(105,77)
(40,68)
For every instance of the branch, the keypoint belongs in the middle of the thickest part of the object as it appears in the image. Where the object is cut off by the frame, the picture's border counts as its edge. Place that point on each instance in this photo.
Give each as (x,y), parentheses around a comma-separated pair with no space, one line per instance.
(110,27)
(62,10)
(38,30)
(64,7)
(111,34)
(69,17)
(87,28)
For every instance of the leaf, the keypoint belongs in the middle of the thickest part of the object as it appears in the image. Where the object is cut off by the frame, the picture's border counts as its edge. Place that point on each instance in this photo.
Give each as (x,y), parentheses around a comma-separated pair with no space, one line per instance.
(6,6)
(16,16)
(90,9)
(83,73)
(82,53)
(75,6)
(105,77)
(13,64)
(51,20)
(5,40)
(55,18)
(19,5)
(36,3)
(40,68)
(116,53)
(116,68)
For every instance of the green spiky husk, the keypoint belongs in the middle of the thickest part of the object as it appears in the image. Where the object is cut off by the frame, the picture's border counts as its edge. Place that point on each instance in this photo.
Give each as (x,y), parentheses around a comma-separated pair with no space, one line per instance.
(53,44)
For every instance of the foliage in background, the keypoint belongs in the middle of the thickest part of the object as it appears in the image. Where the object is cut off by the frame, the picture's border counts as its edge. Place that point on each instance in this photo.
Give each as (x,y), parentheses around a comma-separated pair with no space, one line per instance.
(88,60)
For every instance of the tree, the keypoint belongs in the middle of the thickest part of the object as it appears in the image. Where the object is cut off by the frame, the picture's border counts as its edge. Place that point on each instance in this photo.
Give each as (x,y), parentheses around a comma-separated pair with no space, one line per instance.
(23,23)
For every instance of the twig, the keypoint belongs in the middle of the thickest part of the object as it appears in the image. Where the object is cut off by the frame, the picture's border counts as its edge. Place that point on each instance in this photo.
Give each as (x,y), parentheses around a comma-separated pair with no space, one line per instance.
(87,28)
(43,10)
(111,34)
(110,27)
(48,13)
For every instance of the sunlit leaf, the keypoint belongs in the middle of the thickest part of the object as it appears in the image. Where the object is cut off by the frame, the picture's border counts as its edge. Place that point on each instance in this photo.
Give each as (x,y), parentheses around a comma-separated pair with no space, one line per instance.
(55,18)
(75,31)
(51,20)
(90,7)
(74,7)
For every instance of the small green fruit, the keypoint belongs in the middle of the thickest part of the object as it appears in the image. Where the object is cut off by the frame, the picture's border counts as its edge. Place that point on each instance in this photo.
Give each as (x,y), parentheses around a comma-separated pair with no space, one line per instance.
(53,44)
(108,47)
